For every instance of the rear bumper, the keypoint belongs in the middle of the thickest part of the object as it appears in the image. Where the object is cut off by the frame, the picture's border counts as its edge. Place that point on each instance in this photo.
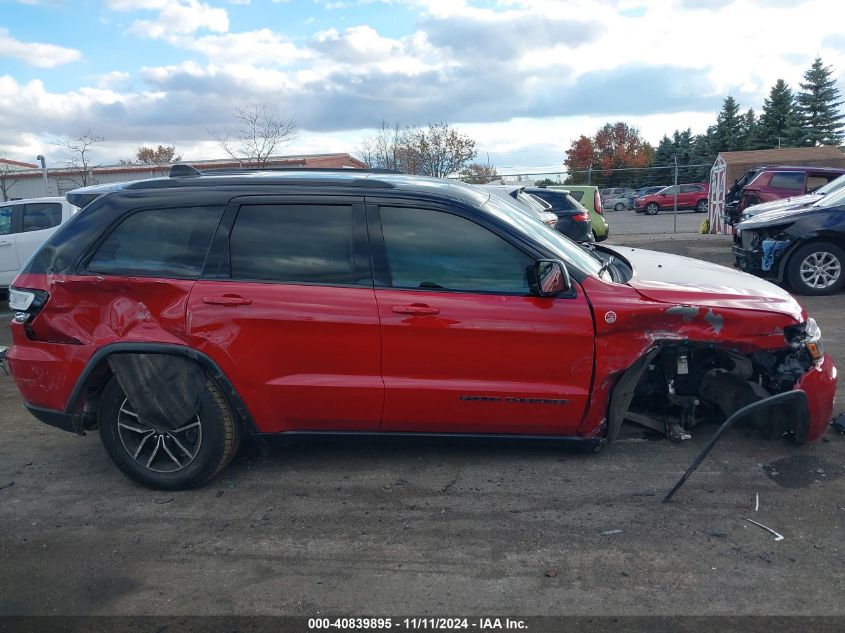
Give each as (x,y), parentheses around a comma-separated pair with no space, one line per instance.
(820,386)
(59,419)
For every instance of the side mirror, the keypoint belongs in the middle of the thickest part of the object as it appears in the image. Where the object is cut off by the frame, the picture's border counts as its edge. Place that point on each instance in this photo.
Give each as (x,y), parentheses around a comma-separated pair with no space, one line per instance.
(549,277)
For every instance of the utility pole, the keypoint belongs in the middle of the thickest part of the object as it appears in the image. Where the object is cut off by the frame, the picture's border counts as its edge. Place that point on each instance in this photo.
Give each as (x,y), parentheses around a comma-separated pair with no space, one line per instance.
(40,158)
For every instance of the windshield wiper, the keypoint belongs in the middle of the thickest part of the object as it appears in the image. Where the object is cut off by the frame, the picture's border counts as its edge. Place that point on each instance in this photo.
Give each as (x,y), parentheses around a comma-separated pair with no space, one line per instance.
(606,266)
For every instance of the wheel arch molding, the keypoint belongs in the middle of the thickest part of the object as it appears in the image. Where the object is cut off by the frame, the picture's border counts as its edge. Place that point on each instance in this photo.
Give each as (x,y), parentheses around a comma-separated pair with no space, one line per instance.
(99,365)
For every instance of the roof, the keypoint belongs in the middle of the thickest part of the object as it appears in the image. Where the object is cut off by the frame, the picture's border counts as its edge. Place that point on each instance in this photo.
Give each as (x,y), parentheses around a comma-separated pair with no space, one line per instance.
(826,155)
(17,164)
(358,179)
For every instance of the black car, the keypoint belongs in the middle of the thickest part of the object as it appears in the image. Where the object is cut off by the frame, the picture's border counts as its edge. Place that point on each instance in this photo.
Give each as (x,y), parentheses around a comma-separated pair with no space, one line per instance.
(573,218)
(804,247)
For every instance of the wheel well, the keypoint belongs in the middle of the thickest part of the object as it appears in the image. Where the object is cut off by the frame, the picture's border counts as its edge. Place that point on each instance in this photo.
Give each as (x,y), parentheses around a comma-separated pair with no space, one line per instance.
(85,399)
(837,240)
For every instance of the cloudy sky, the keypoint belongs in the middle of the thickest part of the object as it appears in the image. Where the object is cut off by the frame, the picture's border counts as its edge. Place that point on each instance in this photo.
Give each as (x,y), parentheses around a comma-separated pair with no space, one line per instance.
(522,77)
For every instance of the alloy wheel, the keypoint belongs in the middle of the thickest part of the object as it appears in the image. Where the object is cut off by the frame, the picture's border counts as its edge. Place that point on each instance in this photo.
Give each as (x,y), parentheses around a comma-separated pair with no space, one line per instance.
(157,449)
(820,270)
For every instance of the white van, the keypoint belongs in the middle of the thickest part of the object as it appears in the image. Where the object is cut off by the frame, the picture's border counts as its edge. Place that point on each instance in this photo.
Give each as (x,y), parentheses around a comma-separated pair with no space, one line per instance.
(24,226)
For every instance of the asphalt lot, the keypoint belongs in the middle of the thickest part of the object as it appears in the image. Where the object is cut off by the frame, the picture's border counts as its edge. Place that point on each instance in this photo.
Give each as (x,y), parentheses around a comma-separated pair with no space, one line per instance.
(631,223)
(431,528)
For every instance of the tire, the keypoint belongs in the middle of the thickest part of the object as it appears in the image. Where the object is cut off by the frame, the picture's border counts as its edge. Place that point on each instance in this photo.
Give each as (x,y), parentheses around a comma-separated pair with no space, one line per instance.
(619,206)
(652,208)
(816,269)
(200,451)
(701,206)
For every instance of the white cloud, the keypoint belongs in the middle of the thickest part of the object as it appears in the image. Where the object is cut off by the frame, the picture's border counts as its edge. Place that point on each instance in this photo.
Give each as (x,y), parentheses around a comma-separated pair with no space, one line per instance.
(175,17)
(262,47)
(35,53)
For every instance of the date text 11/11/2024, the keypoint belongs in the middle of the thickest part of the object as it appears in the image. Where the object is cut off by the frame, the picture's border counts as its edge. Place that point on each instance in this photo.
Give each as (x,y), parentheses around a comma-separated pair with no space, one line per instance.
(417,624)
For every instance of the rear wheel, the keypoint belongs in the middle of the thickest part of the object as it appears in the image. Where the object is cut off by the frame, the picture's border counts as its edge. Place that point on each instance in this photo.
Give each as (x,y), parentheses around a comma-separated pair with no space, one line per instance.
(816,269)
(619,206)
(652,208)
(185,454)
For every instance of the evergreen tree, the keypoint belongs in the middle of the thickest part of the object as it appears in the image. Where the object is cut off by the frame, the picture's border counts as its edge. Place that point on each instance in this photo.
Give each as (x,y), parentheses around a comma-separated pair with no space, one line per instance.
(818,104)
(779,125)
(726,135)
(748,137)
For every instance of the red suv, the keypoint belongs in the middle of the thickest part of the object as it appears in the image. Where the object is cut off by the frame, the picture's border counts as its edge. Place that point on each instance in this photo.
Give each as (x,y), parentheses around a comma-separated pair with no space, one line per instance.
(777,182)
(691,196)
(181,315)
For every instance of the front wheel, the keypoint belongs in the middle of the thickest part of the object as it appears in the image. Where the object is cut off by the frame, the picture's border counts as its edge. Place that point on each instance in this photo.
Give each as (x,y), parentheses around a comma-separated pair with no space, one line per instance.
(701,207)
(186,454)
(619,206)
(816,269)
(652,208)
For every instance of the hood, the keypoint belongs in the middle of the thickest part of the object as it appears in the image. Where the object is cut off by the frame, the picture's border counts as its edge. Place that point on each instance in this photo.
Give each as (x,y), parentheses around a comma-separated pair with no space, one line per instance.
(686,281)
(776,217)
(795,202)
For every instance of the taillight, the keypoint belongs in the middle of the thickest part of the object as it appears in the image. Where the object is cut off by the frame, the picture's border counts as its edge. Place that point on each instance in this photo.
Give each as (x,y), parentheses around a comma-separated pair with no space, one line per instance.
(26,302)
(581,217)
(597,202)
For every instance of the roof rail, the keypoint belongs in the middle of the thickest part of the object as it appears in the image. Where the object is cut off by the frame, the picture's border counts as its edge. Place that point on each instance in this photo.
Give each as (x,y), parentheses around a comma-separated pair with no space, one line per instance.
(183,170)
(246,170)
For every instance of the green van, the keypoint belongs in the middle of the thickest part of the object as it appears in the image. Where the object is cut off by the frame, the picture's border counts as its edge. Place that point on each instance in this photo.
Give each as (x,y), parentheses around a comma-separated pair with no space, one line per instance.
(588,196)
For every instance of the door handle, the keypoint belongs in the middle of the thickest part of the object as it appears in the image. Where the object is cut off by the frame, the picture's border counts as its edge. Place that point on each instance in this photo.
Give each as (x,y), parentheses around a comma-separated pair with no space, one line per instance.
(417,309)
(5,243)
(227,300)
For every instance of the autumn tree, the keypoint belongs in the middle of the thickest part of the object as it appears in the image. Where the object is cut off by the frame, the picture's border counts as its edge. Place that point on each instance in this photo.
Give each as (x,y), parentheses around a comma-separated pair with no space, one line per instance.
(80,147)
(819,104)
(479,173)
(258,132)
(614,147)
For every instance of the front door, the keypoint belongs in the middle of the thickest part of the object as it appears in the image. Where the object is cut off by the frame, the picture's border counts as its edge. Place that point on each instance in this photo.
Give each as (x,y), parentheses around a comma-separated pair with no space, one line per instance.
(8,254)
(291,316)
(466,348)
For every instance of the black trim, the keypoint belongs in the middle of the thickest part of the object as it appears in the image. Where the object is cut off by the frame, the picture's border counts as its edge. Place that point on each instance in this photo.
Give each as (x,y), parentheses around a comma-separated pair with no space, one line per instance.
(59,419)
(161,348)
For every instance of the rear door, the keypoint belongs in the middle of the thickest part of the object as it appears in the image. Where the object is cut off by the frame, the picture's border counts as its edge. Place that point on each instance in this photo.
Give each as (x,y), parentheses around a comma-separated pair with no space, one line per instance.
(287,309)
(466,348)
(9,264)
(39,220)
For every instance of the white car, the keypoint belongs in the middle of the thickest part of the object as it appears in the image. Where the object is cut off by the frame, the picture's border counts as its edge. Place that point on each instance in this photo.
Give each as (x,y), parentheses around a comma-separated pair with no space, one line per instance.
(24,226)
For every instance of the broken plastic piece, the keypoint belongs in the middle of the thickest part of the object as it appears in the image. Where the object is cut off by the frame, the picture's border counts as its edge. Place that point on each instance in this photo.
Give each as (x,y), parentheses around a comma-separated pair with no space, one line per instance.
(778,536)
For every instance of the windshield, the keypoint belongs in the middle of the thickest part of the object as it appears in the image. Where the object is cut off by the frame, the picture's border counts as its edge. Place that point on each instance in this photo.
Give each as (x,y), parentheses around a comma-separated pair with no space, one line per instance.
(562,246)
(833,199)
(832,186)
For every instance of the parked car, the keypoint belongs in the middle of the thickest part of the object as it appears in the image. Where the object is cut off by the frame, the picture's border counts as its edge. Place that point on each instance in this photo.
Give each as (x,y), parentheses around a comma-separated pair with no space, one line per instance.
(774,182)
(524,202)
(645,191)
(794,202)
(588,196)
(804,247)
(618,198)
(182,315)
(690,196)
(573,217)
(24,226)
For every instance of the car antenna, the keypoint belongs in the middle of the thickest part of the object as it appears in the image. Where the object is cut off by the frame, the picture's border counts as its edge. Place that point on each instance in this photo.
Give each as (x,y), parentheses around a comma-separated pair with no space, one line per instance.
(183,170)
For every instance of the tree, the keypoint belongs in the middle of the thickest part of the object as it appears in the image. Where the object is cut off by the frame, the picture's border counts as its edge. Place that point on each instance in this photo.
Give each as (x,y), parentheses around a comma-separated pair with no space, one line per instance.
(748,131)
(80,156)
(779,124)
(438,150)
(258,133)
(7,181)
(479,174)
(614,147)
(818,106)
(726,135)
(160,156)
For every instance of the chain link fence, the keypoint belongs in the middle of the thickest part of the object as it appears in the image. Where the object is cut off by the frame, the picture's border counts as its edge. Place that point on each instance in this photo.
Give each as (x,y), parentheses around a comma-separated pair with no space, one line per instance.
(649,200)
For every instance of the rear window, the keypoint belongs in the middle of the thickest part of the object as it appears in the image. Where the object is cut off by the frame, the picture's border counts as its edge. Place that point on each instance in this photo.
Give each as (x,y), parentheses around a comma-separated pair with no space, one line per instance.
(792,180)
(41,215)
(158,242)
(577,195)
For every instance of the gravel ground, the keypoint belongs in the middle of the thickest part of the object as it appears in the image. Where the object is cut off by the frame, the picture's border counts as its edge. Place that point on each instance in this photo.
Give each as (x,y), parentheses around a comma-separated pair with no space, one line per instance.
(438,528)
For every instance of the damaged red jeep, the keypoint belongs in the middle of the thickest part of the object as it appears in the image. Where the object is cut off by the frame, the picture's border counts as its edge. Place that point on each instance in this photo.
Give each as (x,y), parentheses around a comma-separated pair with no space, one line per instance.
(179,315)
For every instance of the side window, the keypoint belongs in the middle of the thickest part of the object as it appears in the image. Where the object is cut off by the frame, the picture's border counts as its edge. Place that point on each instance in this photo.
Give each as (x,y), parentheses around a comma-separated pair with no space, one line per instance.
(296,244)
(41,215)
(158,242)
(689,188)
(577,195)
(793,180)
(434,249)
(671,191)
(815,182)
(6,220)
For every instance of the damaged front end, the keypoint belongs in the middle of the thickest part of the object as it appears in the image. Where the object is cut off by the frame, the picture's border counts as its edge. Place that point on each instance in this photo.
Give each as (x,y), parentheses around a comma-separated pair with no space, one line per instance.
(761,251)
(684,384)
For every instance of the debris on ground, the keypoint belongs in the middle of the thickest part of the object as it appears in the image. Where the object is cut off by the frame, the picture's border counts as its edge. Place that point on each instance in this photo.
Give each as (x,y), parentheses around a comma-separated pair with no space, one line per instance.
(778,536)
(612,532)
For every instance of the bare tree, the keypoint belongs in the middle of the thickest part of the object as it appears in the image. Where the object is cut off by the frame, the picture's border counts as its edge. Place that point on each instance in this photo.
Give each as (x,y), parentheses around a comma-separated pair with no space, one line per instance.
(438,150)
(6,179)
(79,162)
(479,173)
(258,133)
